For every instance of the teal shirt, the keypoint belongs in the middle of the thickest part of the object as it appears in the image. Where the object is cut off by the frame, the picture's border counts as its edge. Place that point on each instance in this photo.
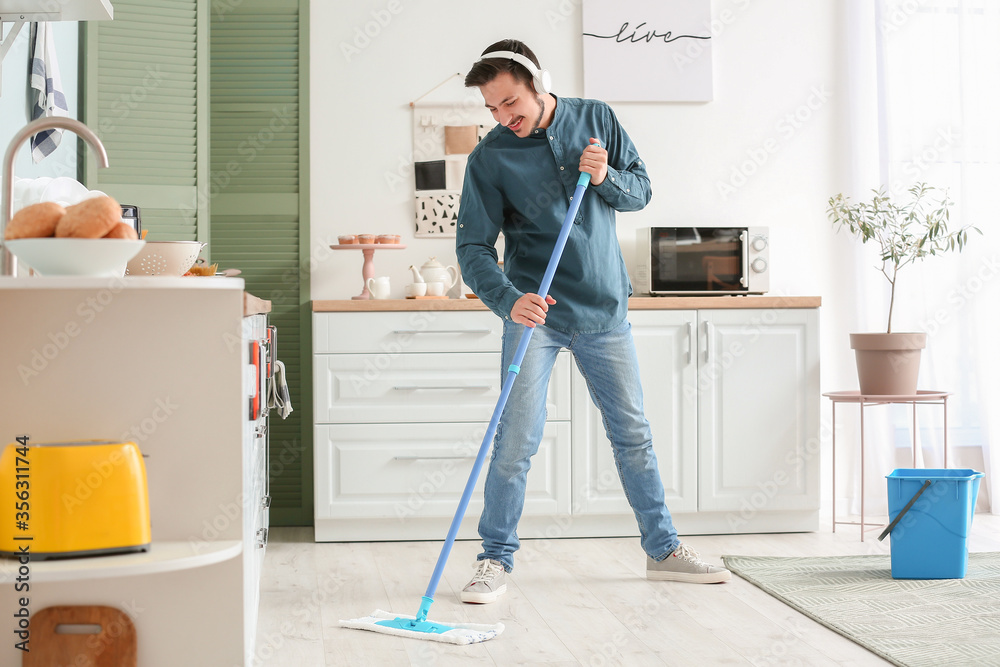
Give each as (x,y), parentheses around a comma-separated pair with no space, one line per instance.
(522,187)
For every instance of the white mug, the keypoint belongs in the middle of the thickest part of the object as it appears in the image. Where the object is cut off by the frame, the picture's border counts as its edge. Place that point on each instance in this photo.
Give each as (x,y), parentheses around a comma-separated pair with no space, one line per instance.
(379,287)
(435,289)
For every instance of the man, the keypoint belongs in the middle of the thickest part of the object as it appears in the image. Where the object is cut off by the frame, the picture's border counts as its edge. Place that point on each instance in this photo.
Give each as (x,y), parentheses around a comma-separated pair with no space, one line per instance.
(519,180)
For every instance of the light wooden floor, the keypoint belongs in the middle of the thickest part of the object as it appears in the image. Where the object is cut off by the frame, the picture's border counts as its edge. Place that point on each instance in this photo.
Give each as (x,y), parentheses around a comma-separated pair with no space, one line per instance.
(568,602)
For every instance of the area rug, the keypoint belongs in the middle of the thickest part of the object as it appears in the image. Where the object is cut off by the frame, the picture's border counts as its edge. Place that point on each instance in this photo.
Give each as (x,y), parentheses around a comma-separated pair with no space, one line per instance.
(907,622)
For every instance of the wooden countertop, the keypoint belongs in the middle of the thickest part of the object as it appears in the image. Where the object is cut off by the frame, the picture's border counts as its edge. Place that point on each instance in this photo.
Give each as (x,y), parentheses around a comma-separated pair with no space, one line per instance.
(635,303)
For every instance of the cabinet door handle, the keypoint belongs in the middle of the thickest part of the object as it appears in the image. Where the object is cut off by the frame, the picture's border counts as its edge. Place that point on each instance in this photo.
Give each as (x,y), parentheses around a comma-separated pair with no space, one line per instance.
(690,352)
(265,502)
(415,387)
(442,331)
(709,341)
(415,457)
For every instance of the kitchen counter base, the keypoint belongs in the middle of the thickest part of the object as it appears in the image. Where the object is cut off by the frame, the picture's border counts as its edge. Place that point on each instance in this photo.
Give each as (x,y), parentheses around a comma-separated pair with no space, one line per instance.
(568,526)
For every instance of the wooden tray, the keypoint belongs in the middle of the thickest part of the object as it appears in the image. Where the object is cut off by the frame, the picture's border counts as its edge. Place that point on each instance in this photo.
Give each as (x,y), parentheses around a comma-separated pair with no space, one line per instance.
(428,297)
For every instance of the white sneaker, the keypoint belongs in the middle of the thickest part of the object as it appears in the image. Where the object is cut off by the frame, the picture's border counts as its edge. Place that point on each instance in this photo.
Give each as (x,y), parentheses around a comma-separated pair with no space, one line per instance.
(488,583)
(684,564)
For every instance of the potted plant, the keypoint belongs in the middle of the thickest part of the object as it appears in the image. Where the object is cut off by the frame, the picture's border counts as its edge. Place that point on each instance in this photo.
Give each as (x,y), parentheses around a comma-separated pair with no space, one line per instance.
(904,232)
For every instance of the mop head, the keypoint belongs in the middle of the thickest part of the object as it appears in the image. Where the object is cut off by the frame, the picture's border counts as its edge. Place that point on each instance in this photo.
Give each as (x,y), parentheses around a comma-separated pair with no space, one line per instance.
(408,626)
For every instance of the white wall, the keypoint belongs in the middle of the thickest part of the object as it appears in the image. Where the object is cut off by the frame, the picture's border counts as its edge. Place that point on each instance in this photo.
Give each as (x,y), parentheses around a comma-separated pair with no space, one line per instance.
(14,100)
(775,132)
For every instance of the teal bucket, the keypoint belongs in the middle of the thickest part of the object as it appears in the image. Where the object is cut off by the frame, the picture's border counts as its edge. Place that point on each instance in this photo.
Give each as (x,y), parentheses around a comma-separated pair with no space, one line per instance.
(931,539)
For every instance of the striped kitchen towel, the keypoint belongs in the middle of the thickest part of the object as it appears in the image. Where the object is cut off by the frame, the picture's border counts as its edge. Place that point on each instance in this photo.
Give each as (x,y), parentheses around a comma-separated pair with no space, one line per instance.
(46,89)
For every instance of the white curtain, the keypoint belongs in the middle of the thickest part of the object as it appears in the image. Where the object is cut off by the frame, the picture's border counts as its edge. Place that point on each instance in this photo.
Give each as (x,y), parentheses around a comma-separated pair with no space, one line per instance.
(937,111)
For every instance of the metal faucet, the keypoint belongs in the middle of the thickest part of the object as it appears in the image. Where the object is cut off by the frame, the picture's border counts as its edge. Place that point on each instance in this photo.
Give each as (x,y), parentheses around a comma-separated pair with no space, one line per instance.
(9,261)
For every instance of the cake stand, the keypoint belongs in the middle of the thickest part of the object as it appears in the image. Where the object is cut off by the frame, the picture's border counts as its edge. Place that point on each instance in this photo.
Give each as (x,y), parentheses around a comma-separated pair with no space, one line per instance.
(368,268)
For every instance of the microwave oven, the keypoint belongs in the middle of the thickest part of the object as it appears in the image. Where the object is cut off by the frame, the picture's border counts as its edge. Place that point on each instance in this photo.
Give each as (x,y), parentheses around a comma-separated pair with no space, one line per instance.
(703,260)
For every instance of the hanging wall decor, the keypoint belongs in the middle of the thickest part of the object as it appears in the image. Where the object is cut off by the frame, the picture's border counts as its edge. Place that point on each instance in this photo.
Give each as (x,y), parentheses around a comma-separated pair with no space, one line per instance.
(647,50)
(443,136)
(437,215)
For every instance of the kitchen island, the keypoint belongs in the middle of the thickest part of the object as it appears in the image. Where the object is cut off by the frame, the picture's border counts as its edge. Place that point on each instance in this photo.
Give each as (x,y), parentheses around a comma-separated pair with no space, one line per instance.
(165,363)
(403,390)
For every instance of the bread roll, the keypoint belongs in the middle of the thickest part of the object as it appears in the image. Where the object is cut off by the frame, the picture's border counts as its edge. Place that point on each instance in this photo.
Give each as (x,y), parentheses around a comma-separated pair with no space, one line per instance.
(122,230)
(90,219)
(35,221)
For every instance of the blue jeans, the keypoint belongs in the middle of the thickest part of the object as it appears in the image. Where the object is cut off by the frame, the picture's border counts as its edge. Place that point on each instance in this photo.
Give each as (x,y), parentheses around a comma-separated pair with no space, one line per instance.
(609,364)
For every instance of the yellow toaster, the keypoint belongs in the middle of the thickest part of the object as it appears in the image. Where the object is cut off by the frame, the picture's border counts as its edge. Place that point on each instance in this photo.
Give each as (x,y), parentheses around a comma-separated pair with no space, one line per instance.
(85,498)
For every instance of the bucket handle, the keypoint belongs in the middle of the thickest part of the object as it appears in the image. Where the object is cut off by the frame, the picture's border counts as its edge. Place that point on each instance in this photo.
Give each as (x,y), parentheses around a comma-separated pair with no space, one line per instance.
(888,529)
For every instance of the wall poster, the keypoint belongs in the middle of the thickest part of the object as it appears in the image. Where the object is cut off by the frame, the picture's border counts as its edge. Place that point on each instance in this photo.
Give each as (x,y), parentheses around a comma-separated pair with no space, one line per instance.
(647,50)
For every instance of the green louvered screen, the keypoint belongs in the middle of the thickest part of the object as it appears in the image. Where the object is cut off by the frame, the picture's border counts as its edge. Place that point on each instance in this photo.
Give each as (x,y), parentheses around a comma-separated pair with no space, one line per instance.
(146,101)
(257,221)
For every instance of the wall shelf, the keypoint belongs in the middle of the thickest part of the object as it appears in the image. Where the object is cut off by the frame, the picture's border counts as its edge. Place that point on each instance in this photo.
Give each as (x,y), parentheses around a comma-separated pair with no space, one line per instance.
(19,12)
(46,10)
(161,557)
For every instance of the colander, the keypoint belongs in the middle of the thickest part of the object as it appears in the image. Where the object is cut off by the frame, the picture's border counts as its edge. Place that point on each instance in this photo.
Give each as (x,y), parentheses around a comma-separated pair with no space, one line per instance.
(164,258)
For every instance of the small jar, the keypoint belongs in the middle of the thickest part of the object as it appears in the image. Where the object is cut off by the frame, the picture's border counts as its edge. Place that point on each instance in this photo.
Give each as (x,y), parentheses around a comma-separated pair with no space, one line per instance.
(366,239)
(347,239)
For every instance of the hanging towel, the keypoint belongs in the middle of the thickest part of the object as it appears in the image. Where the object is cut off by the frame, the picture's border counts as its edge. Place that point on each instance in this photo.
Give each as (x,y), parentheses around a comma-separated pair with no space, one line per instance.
(46,89)
(277,392)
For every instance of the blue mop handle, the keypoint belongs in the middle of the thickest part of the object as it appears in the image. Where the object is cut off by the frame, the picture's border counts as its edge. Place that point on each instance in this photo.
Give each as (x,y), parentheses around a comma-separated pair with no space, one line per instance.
(515,367)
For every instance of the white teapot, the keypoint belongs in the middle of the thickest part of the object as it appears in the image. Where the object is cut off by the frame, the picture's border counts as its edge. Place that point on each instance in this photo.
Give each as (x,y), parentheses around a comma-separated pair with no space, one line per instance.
(434,271)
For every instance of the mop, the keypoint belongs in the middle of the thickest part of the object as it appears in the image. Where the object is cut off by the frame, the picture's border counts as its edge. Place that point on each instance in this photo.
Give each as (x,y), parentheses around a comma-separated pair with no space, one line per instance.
(418,626)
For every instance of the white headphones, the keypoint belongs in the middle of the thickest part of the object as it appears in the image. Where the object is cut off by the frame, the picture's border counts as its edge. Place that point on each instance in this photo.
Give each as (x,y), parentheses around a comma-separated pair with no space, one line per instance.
(543,81)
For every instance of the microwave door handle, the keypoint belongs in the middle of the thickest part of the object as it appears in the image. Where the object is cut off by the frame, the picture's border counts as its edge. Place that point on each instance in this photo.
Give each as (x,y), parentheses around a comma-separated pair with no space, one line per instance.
(745,243)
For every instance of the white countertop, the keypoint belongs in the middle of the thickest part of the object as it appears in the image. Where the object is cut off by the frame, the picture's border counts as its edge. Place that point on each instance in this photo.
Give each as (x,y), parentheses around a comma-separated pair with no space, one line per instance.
(251,304)
(124,282)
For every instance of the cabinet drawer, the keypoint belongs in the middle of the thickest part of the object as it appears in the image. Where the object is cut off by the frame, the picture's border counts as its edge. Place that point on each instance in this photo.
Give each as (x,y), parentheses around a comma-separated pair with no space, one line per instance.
(351,388)
(404,471)
(403,332)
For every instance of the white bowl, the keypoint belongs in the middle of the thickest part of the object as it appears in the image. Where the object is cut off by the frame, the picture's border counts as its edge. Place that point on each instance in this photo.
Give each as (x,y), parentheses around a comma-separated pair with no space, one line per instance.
(100,258)
(33,193)
(165,258)
(65,191)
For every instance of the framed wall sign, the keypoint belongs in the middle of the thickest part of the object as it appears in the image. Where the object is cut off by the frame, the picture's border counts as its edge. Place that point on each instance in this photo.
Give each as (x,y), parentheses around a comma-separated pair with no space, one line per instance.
(647,50)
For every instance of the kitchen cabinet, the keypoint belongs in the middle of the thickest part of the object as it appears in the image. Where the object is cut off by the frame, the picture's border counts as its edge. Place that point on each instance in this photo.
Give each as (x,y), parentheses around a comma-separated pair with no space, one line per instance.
(257,493)
(665,346)
(731,392)
(402,402)
(732,397)
(164,362)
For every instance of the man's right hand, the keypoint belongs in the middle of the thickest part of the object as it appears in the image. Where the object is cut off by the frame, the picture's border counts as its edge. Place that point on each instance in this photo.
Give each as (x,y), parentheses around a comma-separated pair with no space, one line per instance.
(530,309)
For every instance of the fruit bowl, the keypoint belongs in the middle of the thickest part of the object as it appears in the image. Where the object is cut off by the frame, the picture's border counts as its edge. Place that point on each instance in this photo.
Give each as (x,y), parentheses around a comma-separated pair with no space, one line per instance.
(97,258)
(165,258)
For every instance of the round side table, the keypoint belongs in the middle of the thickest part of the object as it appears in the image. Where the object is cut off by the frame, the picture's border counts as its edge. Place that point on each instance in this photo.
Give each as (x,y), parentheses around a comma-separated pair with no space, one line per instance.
(864,401)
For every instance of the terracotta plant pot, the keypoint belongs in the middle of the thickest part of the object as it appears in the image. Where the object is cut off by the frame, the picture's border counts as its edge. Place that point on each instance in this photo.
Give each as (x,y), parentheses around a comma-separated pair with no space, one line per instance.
(888,363)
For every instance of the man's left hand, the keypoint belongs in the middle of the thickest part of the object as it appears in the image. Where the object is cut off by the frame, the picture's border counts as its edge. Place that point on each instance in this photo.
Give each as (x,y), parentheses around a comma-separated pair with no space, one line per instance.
(594,161)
